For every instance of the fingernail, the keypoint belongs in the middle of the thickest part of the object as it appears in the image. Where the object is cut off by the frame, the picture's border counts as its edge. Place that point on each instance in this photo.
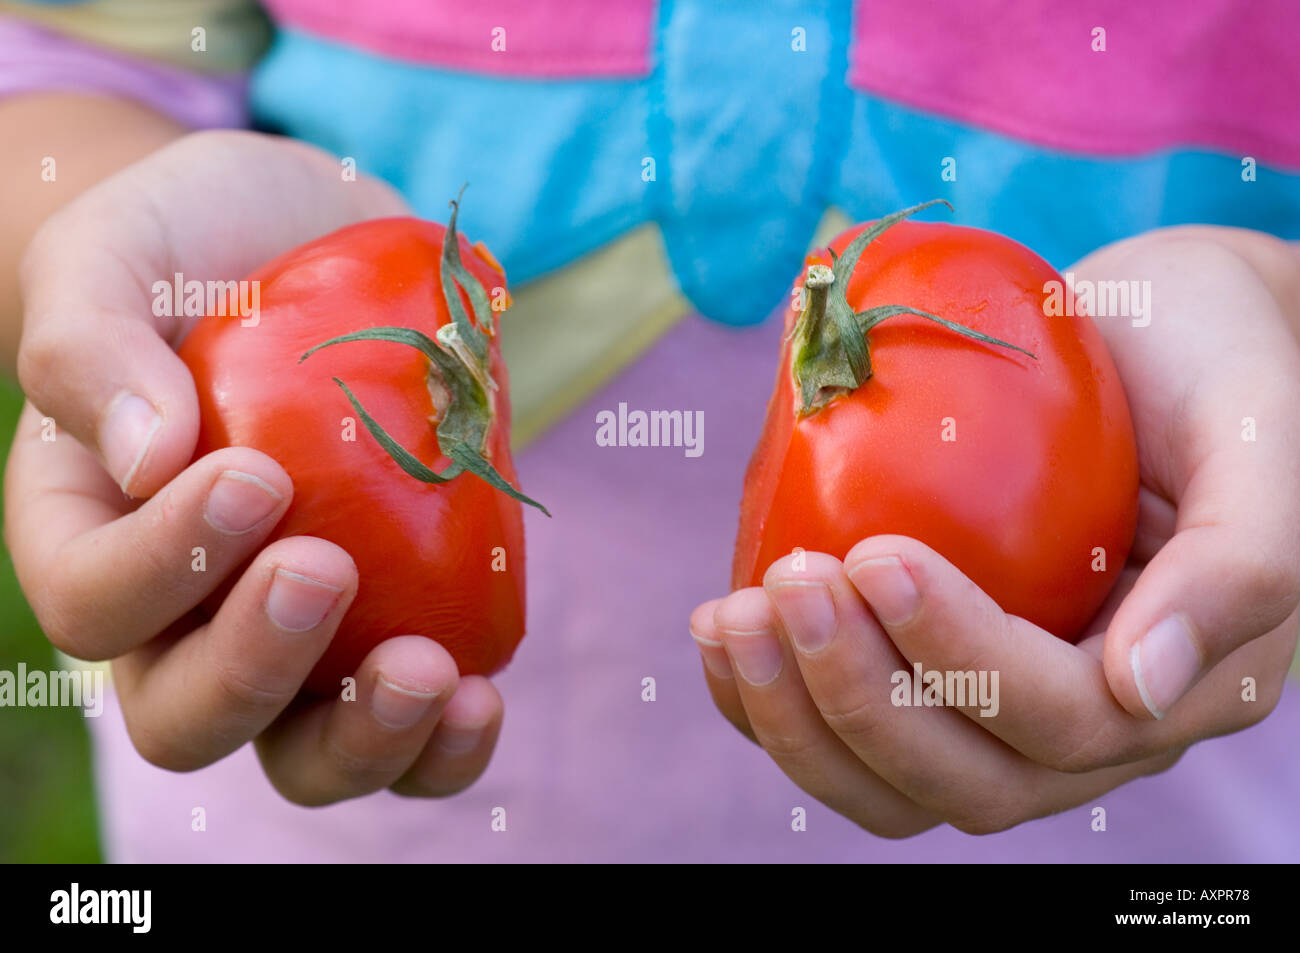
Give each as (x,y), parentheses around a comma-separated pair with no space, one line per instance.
(126,435)
(755,655)
(1165,662)
(888,588)
(455,740)
(297,603)
(239,501)
(715,658)
(399,707)
(808,612)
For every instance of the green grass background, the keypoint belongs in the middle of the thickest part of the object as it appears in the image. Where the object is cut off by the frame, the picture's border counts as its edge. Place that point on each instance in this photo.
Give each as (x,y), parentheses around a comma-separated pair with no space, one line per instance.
(47,800)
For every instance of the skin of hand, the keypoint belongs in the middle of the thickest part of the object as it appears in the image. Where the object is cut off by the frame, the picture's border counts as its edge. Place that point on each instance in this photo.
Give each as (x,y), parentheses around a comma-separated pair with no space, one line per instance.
(108,573)
(45,164)
(1207,599)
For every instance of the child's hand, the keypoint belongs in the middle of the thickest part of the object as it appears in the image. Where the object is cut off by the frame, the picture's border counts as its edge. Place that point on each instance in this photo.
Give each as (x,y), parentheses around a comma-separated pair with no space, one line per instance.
(110,577)
(1208,598)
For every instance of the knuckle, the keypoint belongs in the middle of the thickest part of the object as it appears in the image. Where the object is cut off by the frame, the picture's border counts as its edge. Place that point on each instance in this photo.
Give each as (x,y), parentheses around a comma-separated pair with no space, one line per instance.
(1097,746)
(1274,585)
(163,541)
(359,771)
(62,627)
(786,747)
(244,697)
(40,356)
(161,545)
(169,511)
(55,626)
(848,718)
(159,749)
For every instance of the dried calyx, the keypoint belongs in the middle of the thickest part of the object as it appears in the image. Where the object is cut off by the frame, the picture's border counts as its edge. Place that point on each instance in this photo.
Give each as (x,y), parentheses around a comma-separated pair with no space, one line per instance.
(459,379)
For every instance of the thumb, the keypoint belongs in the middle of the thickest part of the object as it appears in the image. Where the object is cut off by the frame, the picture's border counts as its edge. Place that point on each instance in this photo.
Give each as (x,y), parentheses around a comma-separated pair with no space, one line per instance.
(1214,587)
(94,357)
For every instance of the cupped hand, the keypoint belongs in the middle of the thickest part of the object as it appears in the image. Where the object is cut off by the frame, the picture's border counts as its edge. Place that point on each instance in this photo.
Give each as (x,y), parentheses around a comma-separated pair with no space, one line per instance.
(1195,640)
(104,518)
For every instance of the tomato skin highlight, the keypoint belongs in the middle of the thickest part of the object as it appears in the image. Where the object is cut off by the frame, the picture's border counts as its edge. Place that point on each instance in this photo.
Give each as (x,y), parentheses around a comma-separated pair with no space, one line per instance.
(425,553)
(1040,465)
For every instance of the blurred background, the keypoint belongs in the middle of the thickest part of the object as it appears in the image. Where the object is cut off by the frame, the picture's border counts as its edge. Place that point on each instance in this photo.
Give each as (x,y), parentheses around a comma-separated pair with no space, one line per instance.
(885,152)
(47,801)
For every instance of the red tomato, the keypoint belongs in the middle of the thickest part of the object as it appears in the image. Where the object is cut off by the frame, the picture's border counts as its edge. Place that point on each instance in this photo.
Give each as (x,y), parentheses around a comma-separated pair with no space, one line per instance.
(1019,470)
(442,560)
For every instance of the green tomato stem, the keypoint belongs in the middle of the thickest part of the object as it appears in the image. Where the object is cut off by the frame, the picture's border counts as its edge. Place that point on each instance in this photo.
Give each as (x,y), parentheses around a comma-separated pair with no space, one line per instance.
(831,354)
(460,385)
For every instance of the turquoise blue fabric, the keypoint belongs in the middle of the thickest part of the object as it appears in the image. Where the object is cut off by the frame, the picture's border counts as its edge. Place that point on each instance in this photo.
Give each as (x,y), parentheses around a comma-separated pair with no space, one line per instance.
(751,140)
(1061,205)
(554,168)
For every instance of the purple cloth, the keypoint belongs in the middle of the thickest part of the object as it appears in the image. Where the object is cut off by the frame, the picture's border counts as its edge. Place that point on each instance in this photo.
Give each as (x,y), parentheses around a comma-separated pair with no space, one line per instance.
(36,60)
(587,771)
